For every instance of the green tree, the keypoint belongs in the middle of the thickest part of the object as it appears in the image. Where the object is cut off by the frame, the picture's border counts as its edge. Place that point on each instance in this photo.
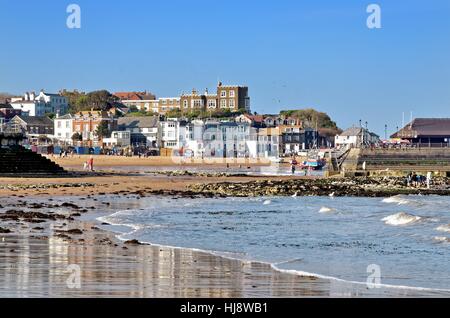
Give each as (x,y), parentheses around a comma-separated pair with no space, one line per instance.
(312,118)
(77,137)
(102,130)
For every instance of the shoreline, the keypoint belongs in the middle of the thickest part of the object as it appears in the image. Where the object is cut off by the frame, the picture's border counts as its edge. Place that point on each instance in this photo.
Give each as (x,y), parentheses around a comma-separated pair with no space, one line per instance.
(169,271)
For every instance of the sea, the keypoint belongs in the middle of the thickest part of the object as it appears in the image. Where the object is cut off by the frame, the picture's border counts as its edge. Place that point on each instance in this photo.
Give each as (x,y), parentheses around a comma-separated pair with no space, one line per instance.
(396,242)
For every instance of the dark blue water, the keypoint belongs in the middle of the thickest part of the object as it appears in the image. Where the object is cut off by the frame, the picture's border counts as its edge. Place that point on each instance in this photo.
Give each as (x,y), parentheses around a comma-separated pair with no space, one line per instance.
(406,237)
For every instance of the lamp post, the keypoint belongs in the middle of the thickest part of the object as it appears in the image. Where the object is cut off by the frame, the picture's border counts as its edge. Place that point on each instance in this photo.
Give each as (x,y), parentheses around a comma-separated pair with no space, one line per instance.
(385,131)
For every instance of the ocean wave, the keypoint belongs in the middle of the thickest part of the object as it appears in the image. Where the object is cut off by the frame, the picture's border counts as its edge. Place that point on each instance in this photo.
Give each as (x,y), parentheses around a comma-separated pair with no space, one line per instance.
(444,228)
(331,278)
(398,199)
(442,239)
(326,210)
(401,218)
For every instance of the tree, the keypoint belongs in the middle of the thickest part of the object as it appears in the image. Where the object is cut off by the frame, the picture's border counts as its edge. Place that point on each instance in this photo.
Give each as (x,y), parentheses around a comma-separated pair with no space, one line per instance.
(77,137)
(97,100)
(102,130)
(51,115)
(312,118)
(4,97)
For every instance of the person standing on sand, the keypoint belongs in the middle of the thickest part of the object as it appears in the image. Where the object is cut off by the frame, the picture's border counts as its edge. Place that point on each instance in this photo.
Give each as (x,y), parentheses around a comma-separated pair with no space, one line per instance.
(293,165)
(429,176)
(91,163)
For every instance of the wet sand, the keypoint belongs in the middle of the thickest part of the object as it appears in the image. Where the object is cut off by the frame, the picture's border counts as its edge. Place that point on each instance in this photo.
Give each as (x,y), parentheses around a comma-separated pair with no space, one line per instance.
(35,260)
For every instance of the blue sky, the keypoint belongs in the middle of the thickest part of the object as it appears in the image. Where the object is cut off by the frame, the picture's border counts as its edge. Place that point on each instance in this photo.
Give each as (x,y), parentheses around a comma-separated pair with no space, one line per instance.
(291,53)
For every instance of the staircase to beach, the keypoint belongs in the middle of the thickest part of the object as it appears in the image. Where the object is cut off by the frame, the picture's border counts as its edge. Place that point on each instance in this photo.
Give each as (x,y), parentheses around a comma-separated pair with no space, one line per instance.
(19,162)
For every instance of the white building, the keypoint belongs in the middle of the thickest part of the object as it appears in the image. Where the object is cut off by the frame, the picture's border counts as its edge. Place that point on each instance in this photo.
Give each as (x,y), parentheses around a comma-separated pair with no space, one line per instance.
(64,128)
(229,140)
(57,103)
(149,105)
(194,138)
(41,104)
(356,137)
(144,130)
(172,133)
(118,139)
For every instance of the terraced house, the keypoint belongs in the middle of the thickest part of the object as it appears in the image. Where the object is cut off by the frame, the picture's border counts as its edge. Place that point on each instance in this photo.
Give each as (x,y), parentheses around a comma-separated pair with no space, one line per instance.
(86,123)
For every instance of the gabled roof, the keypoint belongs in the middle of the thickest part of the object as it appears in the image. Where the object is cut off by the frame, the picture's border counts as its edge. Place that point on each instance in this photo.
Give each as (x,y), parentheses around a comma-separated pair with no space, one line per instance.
(425,127)
(353,131)
(3,106)
(138,122)
(36,120)
(67,116)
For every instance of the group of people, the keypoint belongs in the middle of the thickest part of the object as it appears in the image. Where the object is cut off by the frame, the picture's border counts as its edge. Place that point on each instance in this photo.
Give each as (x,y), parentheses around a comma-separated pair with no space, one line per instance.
(417,180)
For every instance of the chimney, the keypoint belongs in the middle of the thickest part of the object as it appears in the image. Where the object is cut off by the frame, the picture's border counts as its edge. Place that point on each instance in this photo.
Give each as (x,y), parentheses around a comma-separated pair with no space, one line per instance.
(32,96)
(206,91)
(26,96)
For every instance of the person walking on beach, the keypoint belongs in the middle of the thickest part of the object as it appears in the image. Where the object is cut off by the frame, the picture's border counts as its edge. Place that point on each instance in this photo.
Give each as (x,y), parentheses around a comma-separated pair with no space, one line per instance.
(91,163)
(293,165)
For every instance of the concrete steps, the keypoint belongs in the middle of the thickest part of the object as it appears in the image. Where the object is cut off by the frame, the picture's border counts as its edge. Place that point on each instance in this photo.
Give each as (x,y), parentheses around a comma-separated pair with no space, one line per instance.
(18,161)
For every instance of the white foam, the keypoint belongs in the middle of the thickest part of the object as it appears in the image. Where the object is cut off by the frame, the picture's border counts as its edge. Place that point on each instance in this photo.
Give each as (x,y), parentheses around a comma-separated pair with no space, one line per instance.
(326,210)
(401,219)
(267,202)
(442,239)
(444,228)
(397,200)
(308,274)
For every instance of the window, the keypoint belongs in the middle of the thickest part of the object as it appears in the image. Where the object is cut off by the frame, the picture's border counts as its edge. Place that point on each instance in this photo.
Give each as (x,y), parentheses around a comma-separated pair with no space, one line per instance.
(197,103)
(212,103)
(67,124)
(59,124)
(185,104)
(232,93)
(231,103)
(223,103)
(223,94)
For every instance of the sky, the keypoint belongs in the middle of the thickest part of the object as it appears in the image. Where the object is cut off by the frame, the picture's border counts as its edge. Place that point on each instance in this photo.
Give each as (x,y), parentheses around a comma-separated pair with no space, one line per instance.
(291,53)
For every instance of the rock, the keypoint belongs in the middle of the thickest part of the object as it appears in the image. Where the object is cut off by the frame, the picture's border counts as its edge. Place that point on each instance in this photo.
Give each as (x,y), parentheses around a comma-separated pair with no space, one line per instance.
(133,242)
(4,231)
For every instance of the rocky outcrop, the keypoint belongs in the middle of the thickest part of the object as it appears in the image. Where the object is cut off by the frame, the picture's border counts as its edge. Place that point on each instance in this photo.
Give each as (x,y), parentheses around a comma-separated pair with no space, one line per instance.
(361,187)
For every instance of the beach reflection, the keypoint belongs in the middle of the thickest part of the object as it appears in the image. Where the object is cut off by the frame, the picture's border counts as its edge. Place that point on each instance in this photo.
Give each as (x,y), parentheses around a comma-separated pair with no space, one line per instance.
(37,266)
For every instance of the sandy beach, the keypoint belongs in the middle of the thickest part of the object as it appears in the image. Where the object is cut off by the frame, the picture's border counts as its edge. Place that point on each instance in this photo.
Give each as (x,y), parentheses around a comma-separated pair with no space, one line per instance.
(50,224)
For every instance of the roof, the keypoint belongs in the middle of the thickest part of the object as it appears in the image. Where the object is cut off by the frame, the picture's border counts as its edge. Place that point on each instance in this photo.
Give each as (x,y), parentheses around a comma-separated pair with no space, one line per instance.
(36,120)
(67,116)
(135,96)
(25,102)
(3,106)
(138,122)
(91,113)
(353,131)
(255,118)
(425,127)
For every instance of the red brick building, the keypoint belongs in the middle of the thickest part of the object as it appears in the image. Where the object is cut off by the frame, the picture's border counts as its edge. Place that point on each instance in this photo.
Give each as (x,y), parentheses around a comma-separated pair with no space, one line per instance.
(86,123)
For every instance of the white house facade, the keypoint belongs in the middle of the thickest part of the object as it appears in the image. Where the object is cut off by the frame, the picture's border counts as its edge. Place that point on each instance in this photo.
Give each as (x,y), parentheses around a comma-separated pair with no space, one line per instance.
(64,129)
